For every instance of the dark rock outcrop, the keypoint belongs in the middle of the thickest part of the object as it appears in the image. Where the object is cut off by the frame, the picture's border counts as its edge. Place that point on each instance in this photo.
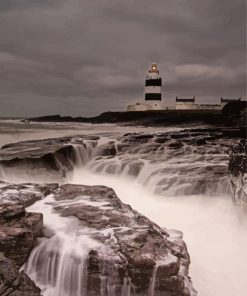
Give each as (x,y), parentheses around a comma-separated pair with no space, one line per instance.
(18,231)
(53,155)
(52,158)
(25,194)
(142,253)
(132,256)
(13,282)
(238,170)
(156,118)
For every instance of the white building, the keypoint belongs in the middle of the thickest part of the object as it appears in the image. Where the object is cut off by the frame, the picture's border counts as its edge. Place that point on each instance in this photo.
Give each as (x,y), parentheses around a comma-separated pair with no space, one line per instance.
(153,95)
(208,106)
(185,104)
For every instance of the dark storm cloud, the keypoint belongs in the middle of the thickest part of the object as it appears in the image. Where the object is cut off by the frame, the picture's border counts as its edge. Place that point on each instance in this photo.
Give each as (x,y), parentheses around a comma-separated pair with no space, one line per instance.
(74,56)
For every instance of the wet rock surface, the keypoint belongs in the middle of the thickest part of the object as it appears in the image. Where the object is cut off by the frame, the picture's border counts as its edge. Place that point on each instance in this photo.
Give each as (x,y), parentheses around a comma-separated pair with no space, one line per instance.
(14,282)
(131,154)
(25,194)
(238,170)
(138,258)
(143,253)
(194,161)
(55,156)
(18,231)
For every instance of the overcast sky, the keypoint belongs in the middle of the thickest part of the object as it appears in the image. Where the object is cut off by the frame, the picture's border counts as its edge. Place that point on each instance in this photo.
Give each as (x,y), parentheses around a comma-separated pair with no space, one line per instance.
(83,57)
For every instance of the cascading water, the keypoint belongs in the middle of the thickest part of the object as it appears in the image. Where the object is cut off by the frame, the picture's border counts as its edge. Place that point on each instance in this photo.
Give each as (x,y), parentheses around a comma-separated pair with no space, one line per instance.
(165,170)
(58,263)
(153,281)
(176,187)
(83,152)
(213,228)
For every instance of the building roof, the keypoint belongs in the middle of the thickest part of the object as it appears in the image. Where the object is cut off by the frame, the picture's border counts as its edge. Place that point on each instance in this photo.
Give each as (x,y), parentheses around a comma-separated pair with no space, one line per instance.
(229,100)
(185,100)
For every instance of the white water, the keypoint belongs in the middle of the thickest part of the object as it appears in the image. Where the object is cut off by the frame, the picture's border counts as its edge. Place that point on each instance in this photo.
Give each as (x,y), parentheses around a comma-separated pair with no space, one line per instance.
(214,230)
(57,264)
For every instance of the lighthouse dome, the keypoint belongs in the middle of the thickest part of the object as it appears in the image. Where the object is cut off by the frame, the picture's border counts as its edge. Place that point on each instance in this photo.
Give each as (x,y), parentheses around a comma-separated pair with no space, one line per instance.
(154,68)
(154,65)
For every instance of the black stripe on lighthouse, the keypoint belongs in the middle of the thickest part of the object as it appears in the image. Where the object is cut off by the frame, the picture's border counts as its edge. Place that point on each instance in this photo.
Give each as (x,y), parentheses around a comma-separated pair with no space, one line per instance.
(153,97)
(154,82)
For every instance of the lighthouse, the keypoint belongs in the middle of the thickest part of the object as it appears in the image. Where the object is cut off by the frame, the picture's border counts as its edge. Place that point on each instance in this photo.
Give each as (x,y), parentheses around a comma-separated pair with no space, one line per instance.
(153,97)
(153,85)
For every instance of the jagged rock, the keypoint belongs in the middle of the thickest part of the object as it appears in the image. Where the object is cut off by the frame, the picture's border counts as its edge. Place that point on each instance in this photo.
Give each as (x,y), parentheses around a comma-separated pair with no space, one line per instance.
(53,155)
(57,157)
(238,170)
(10,212)
(108,150)
(175,144)
(142,252)
(138,255)
(14,282)
(25,194)
(18,231)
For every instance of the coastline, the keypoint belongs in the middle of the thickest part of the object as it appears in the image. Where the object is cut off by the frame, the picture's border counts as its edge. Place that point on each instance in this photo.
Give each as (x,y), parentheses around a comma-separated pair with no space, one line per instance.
(153,118)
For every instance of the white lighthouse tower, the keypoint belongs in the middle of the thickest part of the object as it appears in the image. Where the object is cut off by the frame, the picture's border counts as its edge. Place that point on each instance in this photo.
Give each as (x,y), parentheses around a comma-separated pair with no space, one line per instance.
(153,96)
(153,86)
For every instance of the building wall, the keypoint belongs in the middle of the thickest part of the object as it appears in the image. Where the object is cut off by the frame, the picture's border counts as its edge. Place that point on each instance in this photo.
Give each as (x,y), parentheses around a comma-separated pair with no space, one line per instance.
(185,106)
(153,89)
(157,105)
(208,107)
(137,107)
(154,105)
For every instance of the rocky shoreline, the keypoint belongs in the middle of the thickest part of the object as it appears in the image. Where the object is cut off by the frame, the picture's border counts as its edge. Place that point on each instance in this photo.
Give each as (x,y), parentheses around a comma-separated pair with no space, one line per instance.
(232,114)
(236,117)
(139,256)
(129,252)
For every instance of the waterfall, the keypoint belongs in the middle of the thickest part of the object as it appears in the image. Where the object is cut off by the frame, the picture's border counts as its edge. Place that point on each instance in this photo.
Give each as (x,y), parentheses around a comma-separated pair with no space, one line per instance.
(153,281)
(126,290)
(209,224)
(2,173)
(83,153)
(171,177)
(56,266)
(59,263)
